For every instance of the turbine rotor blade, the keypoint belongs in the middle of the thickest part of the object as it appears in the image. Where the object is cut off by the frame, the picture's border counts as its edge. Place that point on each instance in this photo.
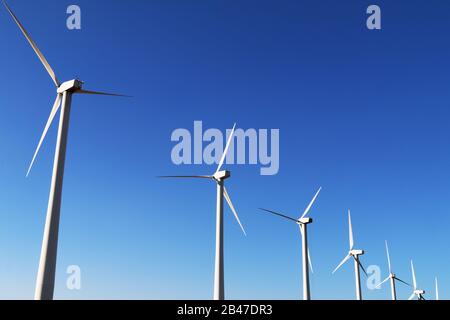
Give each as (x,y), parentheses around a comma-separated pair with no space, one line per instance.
(311,203)
(82,91)
(279,214)
(350,231)
(342,262)
(361,266)
(412,296)
(310,261)
(34,46)
(55,108)
(309,253)
(227,197)
(385,280)
(414,276)
(388,257)
(225,151)
(185,177)
(437,288)
(404,282)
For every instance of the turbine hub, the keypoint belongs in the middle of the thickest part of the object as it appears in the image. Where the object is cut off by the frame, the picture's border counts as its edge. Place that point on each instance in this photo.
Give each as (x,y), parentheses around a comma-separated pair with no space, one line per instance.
(222,175)
(70,86)
(305,220)
(356,253)
(419,292)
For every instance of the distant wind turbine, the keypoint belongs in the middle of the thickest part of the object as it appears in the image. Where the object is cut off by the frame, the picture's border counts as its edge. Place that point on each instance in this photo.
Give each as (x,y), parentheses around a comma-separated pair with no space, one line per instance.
(219,177)
(392,277)
(417,292)
(46,275)
(302,222)
(353,253)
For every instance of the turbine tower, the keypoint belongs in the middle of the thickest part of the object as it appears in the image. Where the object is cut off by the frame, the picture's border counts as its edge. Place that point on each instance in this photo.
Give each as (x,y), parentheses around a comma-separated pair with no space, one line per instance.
(219,177)
(303,222)
(417,292)
(355,254)
(46,275)
(392,277)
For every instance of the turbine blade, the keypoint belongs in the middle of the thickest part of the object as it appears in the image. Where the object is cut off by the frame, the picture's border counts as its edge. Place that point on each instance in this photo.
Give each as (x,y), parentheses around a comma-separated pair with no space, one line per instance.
(388,257)
(310,261)
(300,226)
(55,108)
(404,282)
(361,266)
(227,197)
(414,276)
(384,281)
(185,177)
(342,262)
(279,214)
(412,296)
(225,151)
(350,231)
(437,288)
(34,46)
(310,204)
(82,91)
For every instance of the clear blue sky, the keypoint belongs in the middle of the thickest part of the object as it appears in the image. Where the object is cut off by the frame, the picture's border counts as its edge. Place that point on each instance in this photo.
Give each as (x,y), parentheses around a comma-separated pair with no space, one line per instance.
(364,114)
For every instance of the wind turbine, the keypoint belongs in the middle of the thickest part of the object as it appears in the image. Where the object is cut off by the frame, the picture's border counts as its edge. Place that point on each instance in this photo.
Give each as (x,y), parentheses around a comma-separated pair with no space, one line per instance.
(417,292)
(219,177)
(306,258)
(353,253)
(47,264)
(392,277)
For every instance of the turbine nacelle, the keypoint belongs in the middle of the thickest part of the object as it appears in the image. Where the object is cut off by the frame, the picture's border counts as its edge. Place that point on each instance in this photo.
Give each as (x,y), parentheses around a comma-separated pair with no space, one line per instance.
(419,292)
(70,86)
(222,175)
(304,221)
(356,253)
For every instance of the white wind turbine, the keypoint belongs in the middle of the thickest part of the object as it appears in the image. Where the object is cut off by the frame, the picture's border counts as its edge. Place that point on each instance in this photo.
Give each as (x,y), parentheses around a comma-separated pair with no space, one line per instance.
(47,265)
(353,253)
(302,222)
(219,177)
(392,277)
(417,292)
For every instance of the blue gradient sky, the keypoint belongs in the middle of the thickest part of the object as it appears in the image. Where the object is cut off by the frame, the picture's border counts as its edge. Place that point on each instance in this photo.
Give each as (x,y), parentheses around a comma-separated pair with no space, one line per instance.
(362,113)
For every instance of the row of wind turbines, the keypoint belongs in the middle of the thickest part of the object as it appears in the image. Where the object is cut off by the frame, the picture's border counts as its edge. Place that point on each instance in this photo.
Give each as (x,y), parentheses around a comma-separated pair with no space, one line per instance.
(303,221)
(353,253)
(46,274)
